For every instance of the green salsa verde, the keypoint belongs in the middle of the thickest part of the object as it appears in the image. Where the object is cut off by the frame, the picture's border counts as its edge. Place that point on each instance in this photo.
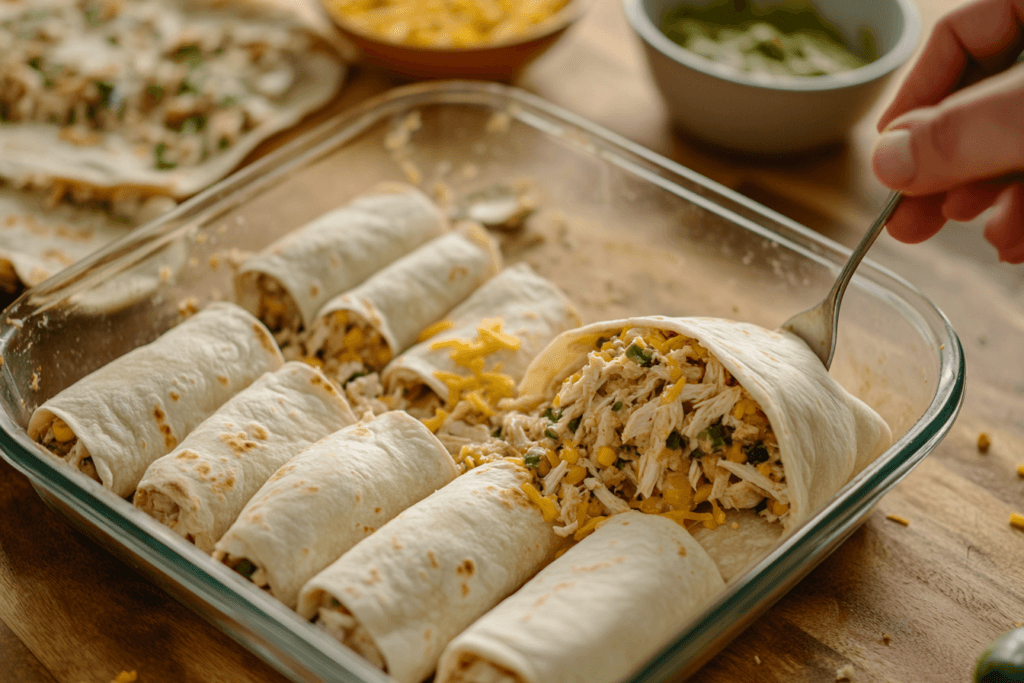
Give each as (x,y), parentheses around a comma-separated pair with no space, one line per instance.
(789,39)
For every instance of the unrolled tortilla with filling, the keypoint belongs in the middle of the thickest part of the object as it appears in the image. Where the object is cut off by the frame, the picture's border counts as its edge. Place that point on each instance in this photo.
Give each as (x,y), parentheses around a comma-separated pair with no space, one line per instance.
(156,97)
(531,308)
(364,328)
(113,423)
(399,596)
(594,613)
(691,416)
(331,496)
(200,487)
(289,281)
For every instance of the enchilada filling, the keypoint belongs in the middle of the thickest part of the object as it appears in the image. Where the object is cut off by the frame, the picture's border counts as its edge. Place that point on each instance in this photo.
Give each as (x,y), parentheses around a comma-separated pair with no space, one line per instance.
(344,345)
(60,439)
(653,422)
(334,618)
(177,85)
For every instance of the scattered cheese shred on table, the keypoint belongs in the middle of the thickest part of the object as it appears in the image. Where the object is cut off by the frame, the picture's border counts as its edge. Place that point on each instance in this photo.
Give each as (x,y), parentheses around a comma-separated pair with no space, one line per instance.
(1017,520)
(126,677)
(1020,470)
(898,519)
(757,660)
(984,442)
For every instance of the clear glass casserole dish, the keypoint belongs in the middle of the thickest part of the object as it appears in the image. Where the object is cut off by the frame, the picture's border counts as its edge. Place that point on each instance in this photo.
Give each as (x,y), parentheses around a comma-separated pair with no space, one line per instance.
(622,230)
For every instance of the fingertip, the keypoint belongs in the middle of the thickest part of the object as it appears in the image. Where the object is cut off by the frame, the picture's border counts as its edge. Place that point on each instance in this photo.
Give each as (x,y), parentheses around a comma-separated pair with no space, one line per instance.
(892,159)
(1005,227)
(917,219)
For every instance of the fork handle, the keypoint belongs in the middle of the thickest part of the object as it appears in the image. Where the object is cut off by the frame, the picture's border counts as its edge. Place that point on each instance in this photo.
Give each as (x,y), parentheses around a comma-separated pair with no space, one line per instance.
(839,288)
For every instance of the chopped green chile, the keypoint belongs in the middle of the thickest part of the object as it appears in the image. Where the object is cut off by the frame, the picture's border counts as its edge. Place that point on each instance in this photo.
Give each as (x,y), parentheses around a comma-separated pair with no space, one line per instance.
(550,433)
(160,152)
(552,416)
(674,441)
(718,435)
(756,453)
(574,423)
(639,356)
(245,568)
(532,460)
(617,407)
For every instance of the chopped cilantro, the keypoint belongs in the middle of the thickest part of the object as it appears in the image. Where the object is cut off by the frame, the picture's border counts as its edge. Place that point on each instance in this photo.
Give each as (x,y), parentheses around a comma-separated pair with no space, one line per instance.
(496,433)
(617,407)
(92,14)
(187,87)
(106,91)
(191,124)
(335,602)
(756,453)
(550,433)
(639,356)
(620,463)
(532,460)
(223,143)
(574,423)
(245,568)
(229,101)
(36,63)
(354,375)
(156,92)
(552,416)
(674,440)
(159,151)
(112,40)
(718,435)
(191,55)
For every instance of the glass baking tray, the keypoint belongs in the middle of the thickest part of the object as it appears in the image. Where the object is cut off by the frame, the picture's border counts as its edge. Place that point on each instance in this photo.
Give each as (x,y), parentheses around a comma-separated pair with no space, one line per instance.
(621,229)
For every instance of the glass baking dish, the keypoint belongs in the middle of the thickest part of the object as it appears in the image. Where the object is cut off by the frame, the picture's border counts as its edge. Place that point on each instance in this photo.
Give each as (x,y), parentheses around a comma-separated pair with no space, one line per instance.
(621,229)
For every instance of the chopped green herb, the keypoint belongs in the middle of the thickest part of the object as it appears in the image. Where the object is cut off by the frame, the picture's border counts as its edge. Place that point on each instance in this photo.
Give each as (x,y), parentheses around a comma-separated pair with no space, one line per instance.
(229,101)
(159,151)
(496,433)
(718,435)
(617,407)
(639,356)
(532,460)
(353,376)
(187,87)
(674,440)
(335,602)
(756,453)
(620,463)
(574,423)
(112,40)
(245,568)
(106,91)
(36,63)
(223,143)
(550,433)
(190,125)
(552,416)
(156,92)
(92,14)
(190,55)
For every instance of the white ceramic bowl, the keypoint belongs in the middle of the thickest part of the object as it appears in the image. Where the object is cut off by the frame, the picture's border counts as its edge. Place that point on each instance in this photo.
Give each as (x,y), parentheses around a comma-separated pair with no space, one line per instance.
(770,115)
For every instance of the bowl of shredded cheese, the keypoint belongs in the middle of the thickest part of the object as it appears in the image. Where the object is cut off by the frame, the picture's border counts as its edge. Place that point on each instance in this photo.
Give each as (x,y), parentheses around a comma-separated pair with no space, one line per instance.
(483,39)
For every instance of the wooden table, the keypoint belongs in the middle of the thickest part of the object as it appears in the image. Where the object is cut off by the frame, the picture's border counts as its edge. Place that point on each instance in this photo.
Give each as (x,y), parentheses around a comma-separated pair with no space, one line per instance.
(940,588)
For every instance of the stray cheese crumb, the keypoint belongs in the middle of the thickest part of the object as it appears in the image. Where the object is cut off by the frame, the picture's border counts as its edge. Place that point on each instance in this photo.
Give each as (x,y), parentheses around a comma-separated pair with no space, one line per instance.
(757,660)
(126,677)
(1020,470)
(845,673)
(898,519)
(1017,520)
(983,443)
(886,638)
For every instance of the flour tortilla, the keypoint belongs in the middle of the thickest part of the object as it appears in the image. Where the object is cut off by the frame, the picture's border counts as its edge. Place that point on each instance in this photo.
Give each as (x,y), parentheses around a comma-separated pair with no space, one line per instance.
(430,572)
(339,250)
(200,487)
(406,296)
(594,613)
(139,407)
(36,152)
(825,434)
(735,550)
(333,495)
(530,307)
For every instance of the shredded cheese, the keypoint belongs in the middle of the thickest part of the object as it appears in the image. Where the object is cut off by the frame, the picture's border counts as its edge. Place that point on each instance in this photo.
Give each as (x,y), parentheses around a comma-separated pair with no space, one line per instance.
(1017,521)
(898,519)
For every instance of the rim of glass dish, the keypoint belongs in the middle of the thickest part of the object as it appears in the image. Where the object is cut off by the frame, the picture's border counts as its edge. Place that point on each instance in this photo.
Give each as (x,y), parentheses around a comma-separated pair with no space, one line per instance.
(755,589)
(649,32)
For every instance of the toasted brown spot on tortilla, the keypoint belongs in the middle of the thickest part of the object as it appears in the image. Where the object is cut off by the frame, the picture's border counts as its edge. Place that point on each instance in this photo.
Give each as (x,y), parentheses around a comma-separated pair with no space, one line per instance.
(175,395)
(377,510)
(312,489)
(374,577)
(188,455)
(203,468)
(465,590)
(224,379)
(266,341)
(238,443)
(433,559)
(359,497)
(395,543)
(467,568)
(158,414)
(259,431)
(282,472)
(314,290)
(316,379)
(360,431)
(682,550)
(224,486)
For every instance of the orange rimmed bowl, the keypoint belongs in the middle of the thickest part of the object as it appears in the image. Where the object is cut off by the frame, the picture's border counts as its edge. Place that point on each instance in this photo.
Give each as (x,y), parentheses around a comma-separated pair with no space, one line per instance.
(499,61)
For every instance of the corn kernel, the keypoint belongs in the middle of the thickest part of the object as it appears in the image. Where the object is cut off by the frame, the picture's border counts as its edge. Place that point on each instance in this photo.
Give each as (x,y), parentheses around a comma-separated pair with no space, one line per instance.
(552,457)
(575,475)
(581,514)
(572,455)
(779,509)
(1017,520)
(702,494)
(61,431)
(543,468)
(606,456)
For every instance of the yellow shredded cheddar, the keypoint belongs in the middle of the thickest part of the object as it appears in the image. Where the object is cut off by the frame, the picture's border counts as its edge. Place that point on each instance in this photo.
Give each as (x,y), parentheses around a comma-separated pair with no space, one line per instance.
(546,505)
(673,393)
(434,330)
(1017,520)
(898,519)
(1020,470)
(61,431)
(588,528)
(434,423)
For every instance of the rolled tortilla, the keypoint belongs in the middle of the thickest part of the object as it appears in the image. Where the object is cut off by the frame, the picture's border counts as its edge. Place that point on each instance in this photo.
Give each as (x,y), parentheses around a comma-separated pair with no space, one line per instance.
(287,283)
(734,550)
(200,487)
(531,308)
(824,434)
(113,423)
(330,497)
(233,106)
(364,328)
(399,596)
(594,613)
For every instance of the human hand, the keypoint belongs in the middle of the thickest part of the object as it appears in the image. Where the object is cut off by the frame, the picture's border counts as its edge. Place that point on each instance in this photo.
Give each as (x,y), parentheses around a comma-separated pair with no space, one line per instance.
(955,153)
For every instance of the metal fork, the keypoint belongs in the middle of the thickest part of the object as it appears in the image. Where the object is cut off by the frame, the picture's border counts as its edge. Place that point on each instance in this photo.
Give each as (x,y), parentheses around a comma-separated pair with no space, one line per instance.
(817,326)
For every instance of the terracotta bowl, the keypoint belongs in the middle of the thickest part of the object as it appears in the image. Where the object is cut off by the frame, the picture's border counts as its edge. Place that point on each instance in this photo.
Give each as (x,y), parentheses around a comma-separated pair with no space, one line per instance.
(502,61)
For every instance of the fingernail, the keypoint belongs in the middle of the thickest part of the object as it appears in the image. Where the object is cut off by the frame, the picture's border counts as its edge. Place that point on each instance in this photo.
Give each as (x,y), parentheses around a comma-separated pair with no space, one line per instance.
(893,160)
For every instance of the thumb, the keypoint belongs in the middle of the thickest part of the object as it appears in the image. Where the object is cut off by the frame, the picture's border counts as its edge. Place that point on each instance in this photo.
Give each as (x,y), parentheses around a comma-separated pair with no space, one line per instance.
(974,134)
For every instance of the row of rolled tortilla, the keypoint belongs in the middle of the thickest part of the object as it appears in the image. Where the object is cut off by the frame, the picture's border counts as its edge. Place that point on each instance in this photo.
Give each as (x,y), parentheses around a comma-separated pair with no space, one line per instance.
(446,585)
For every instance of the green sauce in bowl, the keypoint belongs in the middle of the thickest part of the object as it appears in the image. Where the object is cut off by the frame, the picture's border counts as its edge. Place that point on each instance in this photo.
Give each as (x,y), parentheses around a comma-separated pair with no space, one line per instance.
(790,39)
